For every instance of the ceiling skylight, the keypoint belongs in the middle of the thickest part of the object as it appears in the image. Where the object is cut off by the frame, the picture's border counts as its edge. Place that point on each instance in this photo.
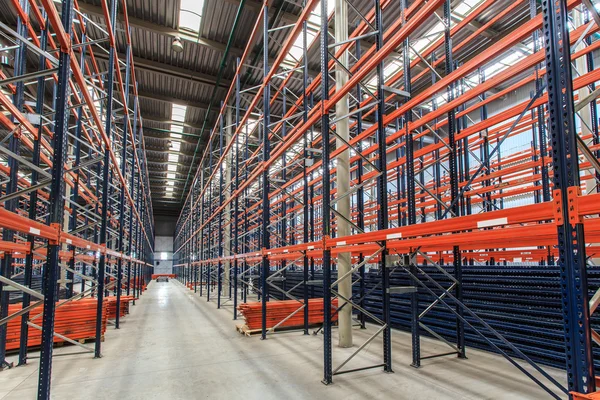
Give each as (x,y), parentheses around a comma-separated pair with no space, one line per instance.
(190,14)
(178,113)
(178,118)
(176,131)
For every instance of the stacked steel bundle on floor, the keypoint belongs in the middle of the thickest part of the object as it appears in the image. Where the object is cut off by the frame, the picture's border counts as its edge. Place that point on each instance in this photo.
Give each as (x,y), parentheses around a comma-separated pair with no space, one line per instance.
(280,314)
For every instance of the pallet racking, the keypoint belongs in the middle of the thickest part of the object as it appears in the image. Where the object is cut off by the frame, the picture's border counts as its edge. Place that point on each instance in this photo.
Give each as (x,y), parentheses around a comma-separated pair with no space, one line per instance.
(76,208)
(441,177)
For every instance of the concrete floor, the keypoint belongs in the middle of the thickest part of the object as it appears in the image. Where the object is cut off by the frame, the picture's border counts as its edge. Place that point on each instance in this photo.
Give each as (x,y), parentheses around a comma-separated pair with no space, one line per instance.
(174,345)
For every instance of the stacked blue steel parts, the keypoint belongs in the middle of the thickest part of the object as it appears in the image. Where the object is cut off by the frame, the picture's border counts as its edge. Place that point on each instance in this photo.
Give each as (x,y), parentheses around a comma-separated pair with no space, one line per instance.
(522,302)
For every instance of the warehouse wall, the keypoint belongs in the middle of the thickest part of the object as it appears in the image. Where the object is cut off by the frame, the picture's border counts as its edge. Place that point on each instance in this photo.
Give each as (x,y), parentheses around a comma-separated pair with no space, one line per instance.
(163,246)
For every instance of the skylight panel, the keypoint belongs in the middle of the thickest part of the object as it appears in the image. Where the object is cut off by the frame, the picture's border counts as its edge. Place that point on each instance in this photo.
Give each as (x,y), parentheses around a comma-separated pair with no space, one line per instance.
(178,116)
(178,112)
(176,131)
(190,14)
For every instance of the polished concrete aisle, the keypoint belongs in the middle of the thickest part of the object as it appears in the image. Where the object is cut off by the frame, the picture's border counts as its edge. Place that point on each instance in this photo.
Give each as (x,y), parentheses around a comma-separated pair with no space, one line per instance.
(175,345)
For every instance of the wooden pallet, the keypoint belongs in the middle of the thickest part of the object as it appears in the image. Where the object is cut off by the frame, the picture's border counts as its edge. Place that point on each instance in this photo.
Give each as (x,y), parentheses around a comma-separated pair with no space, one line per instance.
(245,330)
(90,340)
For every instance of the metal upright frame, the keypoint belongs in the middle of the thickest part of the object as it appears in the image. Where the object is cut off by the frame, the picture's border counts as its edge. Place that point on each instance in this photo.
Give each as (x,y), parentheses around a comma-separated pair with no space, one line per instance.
(52,155)
(434,188)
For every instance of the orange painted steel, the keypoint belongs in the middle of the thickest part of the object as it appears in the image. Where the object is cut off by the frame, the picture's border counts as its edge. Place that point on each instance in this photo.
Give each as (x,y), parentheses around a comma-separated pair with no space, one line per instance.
(278,310)
(297,132)
(111,306)
(75,320)
(154,276)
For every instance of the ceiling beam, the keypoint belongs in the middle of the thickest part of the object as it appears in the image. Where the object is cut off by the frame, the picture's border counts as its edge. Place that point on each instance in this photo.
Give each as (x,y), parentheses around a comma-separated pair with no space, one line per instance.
(158,119)
(254,5)
(161,29)
(170,99)
(184,140)
(144,64)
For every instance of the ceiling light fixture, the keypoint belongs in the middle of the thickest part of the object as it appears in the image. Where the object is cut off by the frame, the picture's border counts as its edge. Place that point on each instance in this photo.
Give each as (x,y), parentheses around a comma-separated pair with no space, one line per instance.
(177,46)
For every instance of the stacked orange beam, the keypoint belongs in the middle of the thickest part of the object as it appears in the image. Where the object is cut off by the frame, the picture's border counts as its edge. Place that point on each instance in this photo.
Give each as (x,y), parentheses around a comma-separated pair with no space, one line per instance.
(111,306)
(138,283)
(277,311)
(154,276)
(75,320)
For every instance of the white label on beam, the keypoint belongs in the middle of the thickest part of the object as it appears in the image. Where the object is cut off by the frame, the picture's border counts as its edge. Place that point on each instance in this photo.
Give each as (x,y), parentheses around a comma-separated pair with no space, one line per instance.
(34,119)
(342,243)
(492,222)
(518,259)
(69,241)
(394,236)
(310,247)
(34,231)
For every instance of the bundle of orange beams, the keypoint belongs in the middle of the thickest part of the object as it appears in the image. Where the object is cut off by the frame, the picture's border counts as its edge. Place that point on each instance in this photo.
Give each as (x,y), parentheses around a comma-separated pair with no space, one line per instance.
(277,311)
(191,285)
(111,306)
(591,396)
(75,320)
(154,276)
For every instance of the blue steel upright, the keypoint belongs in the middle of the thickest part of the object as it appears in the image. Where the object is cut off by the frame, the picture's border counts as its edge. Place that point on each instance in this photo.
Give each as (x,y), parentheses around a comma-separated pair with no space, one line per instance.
(265,175)
(33,200)
(105,187)
(124,188)
(571,241)
(326,218)
(56,207)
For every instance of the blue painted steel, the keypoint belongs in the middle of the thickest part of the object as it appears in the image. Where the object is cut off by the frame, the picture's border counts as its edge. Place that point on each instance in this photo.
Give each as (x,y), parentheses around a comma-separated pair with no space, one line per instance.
(327,354)
(105,188)
(56,208)
(33,201)
(571,241)
(382,192)
(124,188)
(220,216)
(265,175)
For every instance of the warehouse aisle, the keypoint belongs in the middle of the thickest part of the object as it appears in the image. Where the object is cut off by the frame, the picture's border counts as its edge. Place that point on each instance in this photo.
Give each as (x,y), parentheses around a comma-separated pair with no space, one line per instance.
(174,345)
